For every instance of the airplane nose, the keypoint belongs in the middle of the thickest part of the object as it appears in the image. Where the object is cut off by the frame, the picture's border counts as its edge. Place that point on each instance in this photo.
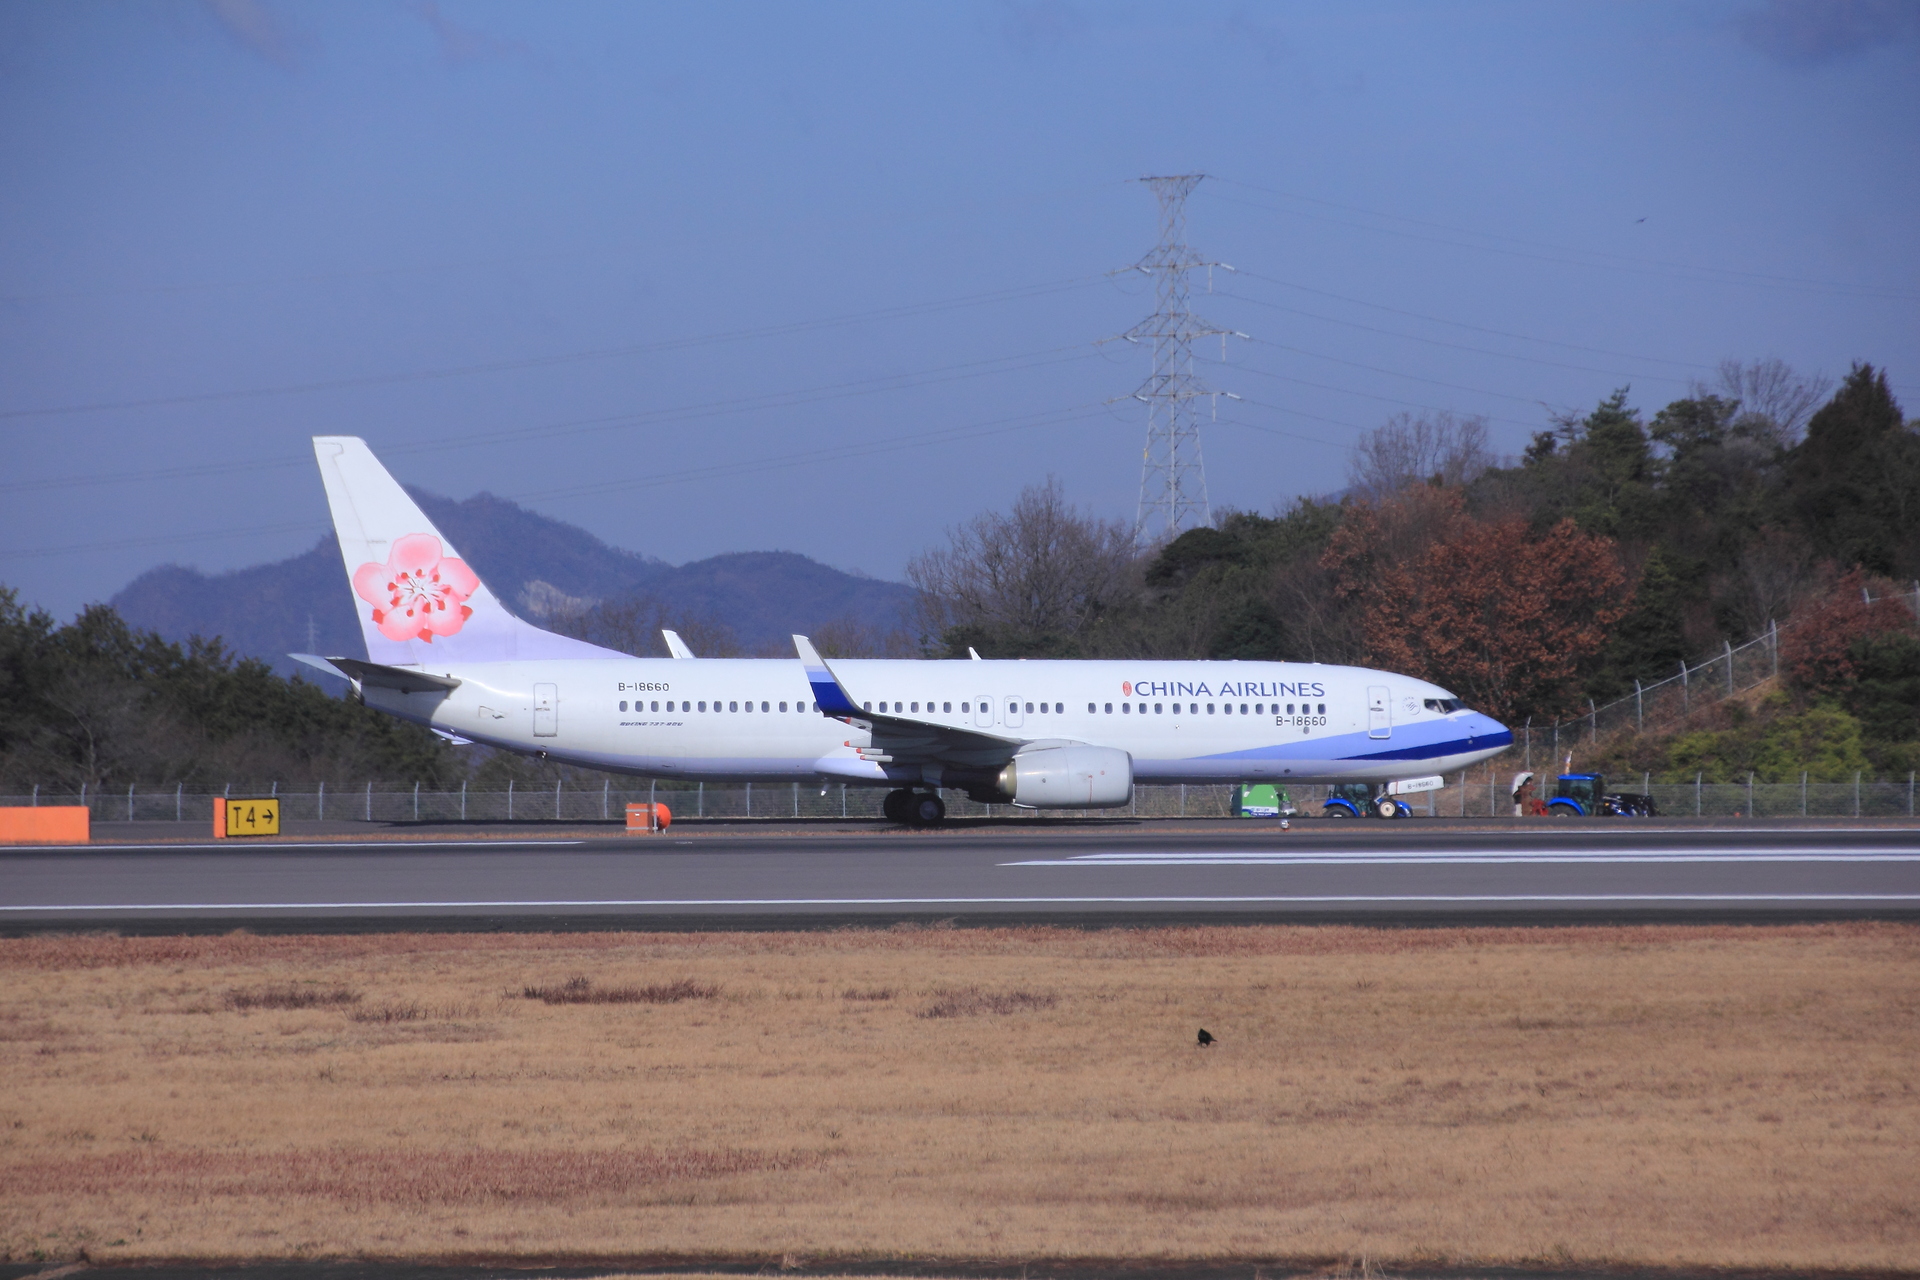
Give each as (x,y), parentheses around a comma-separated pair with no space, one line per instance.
(1485,731)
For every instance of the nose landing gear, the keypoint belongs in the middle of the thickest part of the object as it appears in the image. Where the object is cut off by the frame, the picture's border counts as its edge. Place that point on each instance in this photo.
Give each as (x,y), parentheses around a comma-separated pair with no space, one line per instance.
(914,808)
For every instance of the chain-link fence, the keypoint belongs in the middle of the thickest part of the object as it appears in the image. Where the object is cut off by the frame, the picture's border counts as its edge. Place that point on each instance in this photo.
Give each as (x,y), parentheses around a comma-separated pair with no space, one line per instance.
(1482,792)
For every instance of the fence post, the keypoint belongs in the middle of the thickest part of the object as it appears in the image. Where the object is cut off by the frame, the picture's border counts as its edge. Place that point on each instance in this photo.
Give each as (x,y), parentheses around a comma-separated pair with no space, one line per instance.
(323,802)
(1529,763)
(700,802)
(1463,793)
(1686,694)
(36,795)
(796,799)
(843,799)
(1696,795)
(129,802)
(1492,795)
(1183,799)
(83,797)
(1856,793)
(1639,711)
(1749,791)
(369,799)
(176,798)
(1773,645)
(556,798)
(1910,772)
(463,799)
(1729,645)
(509,799)
(606,796)
(653,785)
(1593,722)
(416,799)
(749,799)
(1803,793)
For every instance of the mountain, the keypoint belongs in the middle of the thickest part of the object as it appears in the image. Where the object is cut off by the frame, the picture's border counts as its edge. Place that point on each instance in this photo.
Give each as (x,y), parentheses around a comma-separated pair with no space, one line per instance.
(538,567)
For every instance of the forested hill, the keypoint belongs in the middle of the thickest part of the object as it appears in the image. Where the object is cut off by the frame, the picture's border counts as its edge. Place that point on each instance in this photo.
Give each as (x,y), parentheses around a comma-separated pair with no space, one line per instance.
(549,572)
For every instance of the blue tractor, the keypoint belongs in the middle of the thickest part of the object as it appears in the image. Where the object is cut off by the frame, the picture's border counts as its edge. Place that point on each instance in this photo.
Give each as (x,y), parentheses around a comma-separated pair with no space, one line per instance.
(1363,800)
(1584,795)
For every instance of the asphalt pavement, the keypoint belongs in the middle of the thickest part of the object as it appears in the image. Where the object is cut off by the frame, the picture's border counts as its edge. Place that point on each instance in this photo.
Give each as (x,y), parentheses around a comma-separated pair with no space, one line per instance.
(159,878)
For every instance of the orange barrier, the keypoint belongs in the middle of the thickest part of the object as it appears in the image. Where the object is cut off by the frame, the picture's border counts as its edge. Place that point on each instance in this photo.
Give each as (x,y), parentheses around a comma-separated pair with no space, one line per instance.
(648,817)
(47,824)
(219,817)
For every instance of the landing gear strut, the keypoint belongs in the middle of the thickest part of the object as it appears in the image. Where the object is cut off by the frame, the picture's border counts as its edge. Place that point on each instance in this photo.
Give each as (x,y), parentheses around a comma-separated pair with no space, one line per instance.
(914,808)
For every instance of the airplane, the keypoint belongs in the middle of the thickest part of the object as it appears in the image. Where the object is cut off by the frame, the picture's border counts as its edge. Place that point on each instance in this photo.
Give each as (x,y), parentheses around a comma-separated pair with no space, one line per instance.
(443,652)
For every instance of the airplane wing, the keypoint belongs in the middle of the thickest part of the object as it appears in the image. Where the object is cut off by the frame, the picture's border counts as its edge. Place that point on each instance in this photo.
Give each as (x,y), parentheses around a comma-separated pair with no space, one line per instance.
(377,675)
(899,739)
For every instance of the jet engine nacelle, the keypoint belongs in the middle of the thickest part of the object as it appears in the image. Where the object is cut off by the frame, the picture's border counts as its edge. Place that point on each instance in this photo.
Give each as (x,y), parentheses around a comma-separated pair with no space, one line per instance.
(1069,778)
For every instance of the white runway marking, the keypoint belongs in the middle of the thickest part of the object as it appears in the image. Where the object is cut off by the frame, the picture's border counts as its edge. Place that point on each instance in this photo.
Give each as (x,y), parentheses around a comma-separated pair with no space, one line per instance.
(242,842)
(1489,857)
(1158,900)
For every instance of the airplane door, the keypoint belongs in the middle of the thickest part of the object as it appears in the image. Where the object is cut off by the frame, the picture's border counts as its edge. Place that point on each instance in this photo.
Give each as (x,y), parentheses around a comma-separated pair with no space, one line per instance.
(983,711)
(1013,716)
(1379,712)
(546,710)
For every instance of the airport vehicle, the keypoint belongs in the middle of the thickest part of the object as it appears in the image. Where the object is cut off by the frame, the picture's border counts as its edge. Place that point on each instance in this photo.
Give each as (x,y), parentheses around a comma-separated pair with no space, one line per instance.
(1363,800)
(1585,795)
(442,651)
(1262,800)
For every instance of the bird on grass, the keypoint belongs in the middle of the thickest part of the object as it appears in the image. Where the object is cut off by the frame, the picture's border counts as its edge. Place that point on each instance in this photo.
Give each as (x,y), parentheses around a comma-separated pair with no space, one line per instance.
(1206,1037)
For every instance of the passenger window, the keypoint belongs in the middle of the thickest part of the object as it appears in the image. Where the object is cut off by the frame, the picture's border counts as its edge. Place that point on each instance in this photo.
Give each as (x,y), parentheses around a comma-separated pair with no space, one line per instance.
(763,706)
(966,706)
(656,706)
(1109,708)
(1043,708)
(703,706)
(734,706)
(1126,708)
(916,706)
(1029,706)
(1059,708)
(783,706)
(1323,709)
(1243,708)
(1156,708)
(1091,708)
(946,706)
(1209,708)
(623,706)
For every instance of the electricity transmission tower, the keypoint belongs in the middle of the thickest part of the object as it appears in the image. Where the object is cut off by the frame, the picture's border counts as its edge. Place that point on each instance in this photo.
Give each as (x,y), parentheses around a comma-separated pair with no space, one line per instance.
(1173,481)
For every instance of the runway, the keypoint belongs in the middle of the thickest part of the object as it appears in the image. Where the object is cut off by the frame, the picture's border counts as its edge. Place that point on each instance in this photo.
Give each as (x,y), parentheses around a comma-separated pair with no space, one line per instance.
(1091,874)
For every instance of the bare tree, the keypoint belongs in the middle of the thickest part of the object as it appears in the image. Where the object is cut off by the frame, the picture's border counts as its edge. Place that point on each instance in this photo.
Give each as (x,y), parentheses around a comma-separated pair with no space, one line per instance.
(850,637)
(1409,449)
(1775,402)
(1044,568)
(633,625)
(1775,574)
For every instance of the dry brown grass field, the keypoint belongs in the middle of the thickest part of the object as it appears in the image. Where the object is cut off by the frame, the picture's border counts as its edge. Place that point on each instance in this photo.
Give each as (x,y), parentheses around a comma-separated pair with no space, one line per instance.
(1653,1095)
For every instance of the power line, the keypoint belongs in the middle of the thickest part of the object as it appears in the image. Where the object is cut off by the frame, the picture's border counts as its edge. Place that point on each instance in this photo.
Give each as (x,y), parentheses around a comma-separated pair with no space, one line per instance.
(653,479)
(685,413)
(1797,284)
(1461,324)
(1367,395)
(537,362)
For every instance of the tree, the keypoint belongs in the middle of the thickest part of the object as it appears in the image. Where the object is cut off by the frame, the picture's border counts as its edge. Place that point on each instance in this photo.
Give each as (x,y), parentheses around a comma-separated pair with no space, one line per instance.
(1854,482)
(1819,651)
(1027,583)
(1506,619)
(1435,448)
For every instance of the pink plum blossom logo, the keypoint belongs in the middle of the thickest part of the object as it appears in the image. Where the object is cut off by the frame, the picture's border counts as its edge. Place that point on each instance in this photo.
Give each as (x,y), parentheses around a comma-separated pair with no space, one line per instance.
(418,593)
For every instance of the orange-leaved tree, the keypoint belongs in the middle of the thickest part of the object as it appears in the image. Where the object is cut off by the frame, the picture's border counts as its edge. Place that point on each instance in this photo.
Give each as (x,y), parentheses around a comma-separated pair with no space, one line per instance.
(1818,647)
(1505,618)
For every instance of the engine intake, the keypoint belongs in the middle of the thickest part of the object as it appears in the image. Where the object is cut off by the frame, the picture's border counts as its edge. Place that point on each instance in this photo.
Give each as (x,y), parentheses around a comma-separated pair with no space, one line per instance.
(1069,778)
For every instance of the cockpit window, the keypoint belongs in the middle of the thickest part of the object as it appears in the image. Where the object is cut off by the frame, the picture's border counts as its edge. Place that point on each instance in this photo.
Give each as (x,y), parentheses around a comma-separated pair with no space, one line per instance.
(1444,705)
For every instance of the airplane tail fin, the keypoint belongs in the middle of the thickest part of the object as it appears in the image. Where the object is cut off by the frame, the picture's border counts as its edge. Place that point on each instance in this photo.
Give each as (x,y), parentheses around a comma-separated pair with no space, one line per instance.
(418,601)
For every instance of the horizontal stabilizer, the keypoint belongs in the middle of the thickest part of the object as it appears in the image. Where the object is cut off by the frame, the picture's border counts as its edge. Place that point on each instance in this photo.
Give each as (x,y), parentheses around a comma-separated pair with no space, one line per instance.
(380,677)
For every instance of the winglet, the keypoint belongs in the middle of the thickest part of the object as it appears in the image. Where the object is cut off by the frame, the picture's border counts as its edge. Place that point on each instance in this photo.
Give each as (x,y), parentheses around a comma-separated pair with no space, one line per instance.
(675,645)
(827,691)
(973,653)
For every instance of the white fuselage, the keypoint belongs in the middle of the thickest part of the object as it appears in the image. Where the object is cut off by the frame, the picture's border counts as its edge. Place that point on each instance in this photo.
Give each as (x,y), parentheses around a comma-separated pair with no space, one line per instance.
(754,720)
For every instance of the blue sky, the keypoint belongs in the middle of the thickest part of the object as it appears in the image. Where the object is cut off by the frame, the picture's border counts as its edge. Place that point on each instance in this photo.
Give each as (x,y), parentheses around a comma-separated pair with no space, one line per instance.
(829,278)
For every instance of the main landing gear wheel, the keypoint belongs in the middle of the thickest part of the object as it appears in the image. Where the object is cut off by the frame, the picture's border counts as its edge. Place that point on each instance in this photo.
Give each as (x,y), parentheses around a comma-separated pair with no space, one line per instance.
(1386,807)
(926,811)
(895,805)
